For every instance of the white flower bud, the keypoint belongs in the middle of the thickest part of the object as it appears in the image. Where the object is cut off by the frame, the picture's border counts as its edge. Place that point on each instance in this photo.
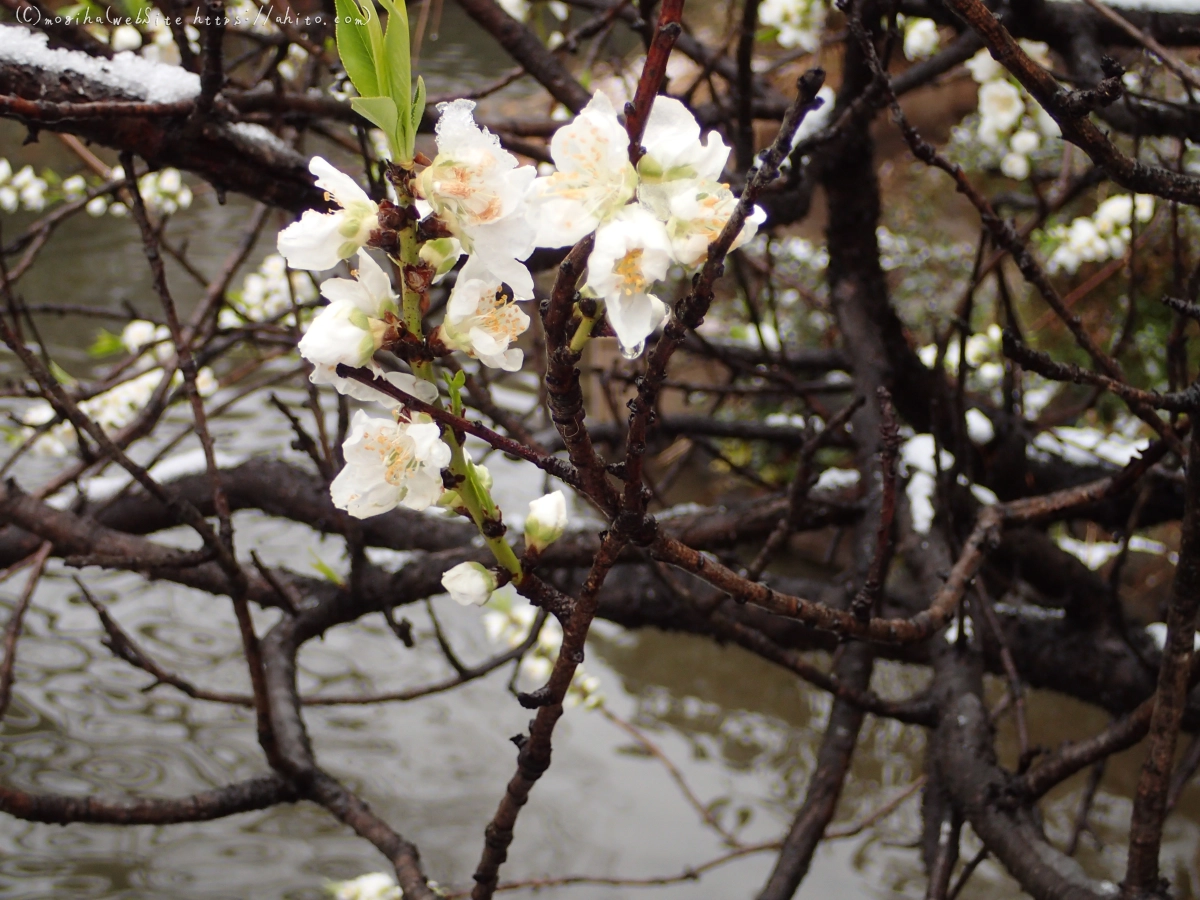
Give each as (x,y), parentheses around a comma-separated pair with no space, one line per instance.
(546,521)
(469,583)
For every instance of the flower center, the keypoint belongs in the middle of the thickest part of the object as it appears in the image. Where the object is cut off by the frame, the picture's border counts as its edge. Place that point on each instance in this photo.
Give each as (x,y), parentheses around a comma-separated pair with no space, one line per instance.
(502,316)
(629,270)
(399,461)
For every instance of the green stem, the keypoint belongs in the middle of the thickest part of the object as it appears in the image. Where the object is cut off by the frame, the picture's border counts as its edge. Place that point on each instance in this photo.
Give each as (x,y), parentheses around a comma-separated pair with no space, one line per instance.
(477,499)
(479,503)
(582,334)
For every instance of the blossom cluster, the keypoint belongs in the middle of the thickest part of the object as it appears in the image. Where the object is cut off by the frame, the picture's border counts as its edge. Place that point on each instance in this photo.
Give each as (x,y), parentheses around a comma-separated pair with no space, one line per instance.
(481,203)
(22,189)
(1011,122)
(266,295)
(507,623)
(797,23)
(112,410)
(1103,235)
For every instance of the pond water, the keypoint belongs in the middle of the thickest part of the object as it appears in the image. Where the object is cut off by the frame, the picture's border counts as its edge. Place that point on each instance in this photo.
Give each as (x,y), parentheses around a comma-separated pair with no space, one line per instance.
(743,733)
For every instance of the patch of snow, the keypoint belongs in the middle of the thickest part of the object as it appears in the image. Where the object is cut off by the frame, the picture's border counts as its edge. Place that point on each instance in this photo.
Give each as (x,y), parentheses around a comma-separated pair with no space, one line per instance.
(257,134)
(126,72)
(834,479)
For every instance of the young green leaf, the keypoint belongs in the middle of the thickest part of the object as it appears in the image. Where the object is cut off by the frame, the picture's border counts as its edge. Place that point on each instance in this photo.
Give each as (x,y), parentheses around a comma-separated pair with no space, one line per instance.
(396,46)
(418,107)
(354,47)
(381,111)
(106,344)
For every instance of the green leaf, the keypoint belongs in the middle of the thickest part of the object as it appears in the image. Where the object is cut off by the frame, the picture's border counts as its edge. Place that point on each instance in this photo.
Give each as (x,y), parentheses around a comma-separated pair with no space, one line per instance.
(378,54)
(61,375)
(354,48)
(379,110)
(325,571)
(418,108)
(106,344)
(396,46)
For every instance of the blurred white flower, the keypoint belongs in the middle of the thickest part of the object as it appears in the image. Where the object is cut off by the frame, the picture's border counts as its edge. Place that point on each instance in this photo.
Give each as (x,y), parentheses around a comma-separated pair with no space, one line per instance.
(1000,109)
(984,68)
(920,38)
(799,22)
(1143,207)
(125,37)
(140,334)
(390,463)
(267,294)
(1015,166)
(518,9)
(1025,141)
(593,181)
(376,886)
(74,187)
(320,241)
(164,191)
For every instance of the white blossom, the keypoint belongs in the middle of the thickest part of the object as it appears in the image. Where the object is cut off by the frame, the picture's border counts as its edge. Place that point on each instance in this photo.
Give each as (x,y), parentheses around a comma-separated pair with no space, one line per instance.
(350,329)
(1015,165)
(483,319)
(547,520)
(267,295)
(140,334)
(320,241)
(469,583)
(984,68)
(23,190)
(1038,51)
(696,217)
(799,22)
(164,191)
(74,187)
(632,252)
(125,37)
(390,463)
(1000,110)
(675,156)
(920,38)
(477,189)
(1025,141)
(518,9)
(1143,207)
(593,181)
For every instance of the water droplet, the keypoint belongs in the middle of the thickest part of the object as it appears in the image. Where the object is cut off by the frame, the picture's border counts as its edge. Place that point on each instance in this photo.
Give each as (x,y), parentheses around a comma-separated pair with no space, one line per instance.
(633,352)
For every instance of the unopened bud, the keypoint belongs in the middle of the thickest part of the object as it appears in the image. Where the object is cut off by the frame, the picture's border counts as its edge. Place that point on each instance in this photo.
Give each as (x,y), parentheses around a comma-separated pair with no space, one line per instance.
(469,583)
(546,522)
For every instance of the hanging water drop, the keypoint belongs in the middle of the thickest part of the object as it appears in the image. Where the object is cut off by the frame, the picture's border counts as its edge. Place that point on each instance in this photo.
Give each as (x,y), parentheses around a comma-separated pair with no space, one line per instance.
(633,352)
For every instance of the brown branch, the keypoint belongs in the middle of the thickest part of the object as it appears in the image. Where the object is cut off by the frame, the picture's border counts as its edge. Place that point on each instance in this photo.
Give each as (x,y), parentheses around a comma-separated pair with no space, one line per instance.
(637,113)
(1150,801)
(12,631)
(1076,127)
